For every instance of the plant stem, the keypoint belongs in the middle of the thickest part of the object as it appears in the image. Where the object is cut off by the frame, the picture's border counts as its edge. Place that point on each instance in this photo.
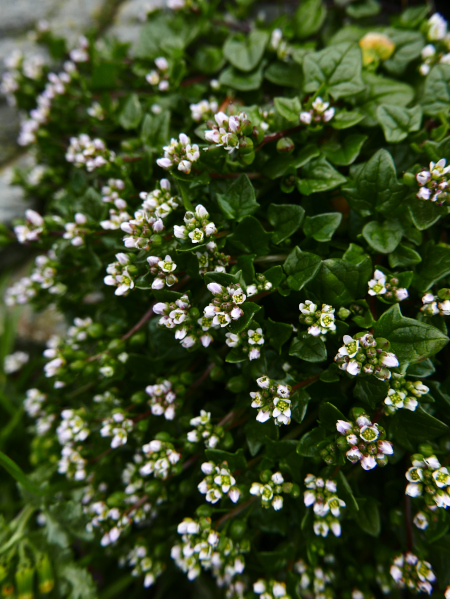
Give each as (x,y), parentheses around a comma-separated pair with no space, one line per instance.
(237,510)
(306,382)
(277,136)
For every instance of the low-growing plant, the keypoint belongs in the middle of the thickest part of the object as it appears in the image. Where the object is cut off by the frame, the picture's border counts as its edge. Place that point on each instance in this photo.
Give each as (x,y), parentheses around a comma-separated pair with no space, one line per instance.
(244,223)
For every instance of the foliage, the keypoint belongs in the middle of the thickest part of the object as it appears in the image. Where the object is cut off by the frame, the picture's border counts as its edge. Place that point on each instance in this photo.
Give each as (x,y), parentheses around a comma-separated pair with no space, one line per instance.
(244,223)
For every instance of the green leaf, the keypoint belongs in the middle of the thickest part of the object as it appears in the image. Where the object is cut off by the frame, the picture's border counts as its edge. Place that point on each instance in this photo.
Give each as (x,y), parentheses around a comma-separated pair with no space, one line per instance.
(397,121)
(345,152)
(425,214)
(368,516)
(155,129)
(411,340)
(345,491)
(436,94)
(385,237)
(354,254)
(308,446)
(381,90)
(299,404)
(285,74)
(421,426)
(322,226)
(288,108)
(329,415)
(337,69)
(285,219)
(83,587)
(239,200)
(363,9)
(422,369)
(345,119)
(208,59)
(371,391)
(434,267)
(278,166)
(275,275)
(250,309)
(376,187)
(404,256)
(339,282)
(241,81)
(309,17)
(256,434)
(301,267)
(318,175)
(131,114)
(308,348)
(235,355)
(408,46)
(236,461)
(244,52)
(249,236)
(17,473)
(278,333)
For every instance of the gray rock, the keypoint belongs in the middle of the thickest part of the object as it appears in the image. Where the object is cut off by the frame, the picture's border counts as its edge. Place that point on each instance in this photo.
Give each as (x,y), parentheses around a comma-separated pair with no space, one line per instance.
(20,15)
(76,17)
(9,128)
(12,200)
(128,19)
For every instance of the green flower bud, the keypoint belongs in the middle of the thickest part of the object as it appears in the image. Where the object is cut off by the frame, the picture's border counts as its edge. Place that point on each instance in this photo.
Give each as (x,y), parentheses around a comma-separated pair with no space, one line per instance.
(45,574)
(96,329)
(77,365)
(139,397)
(237,529)
(265,476)
(137,339)
(285,145)
(24,581)
(343,313)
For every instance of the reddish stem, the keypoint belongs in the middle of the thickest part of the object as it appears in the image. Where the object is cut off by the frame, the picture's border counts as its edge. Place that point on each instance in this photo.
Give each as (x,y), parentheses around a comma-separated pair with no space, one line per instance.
(277,136)
(237,510)
(306,382)
(139,325)
(200,380)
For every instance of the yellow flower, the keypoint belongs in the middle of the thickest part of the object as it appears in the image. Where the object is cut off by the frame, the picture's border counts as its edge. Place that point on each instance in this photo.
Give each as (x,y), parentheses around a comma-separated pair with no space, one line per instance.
(376,47)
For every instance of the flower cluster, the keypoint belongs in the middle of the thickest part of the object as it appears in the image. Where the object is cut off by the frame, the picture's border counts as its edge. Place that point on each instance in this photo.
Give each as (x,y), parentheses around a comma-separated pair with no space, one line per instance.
(160,459)
(31,229)
(204,430)
(160,75)
(39,116)
(270,589)
(162,271)
(248,341)
(225,306)
(409,571)
(160,202)
(271,488)
(318,113)
(120,275)
(72,464)
(96,111)
(43,277)
(197,226)
(363,441)
(279,45)
(87,152)
(19,66)
(183,318)
(363,353)
(203,110)
(230,132)
(428,478)
(321,494)
(203,547)
(144,565)
(438,50)
(211,260)
(162,399)
(179,153)
(110,521)
(33,402)
(272,401)
(111,191)
(436,304)
(315,580)
(218,482)
(14,362)
(118,427)
(320,321)
(76,231)
(433,183)
(387,286)
(262,284)
(403,394)
(116,216)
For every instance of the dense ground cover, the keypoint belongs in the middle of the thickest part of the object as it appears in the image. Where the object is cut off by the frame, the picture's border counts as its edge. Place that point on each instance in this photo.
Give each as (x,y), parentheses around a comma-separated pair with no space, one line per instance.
(244,221)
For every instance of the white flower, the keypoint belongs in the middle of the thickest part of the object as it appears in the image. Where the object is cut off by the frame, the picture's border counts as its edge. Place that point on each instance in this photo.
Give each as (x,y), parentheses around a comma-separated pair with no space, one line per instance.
(437,27)
(368,462)
(413,490)
(377,284)
(421,521)
(353,367)
(401,294)
(389,360)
